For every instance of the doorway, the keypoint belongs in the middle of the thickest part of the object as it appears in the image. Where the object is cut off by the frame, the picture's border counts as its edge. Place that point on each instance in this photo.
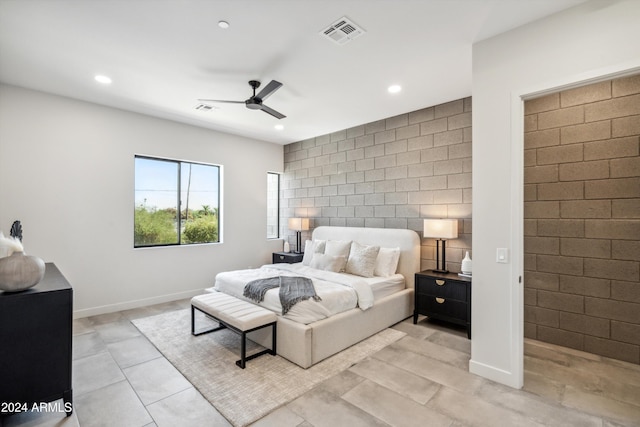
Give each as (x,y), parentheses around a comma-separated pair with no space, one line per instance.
(582,218)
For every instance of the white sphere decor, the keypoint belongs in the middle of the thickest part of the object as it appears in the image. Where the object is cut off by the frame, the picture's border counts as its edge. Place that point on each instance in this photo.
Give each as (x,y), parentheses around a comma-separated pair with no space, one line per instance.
(19,272)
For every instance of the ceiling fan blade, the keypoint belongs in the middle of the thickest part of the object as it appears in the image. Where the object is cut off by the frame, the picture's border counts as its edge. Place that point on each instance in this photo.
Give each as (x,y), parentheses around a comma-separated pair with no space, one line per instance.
(268,90)
(273,112)
(220,100)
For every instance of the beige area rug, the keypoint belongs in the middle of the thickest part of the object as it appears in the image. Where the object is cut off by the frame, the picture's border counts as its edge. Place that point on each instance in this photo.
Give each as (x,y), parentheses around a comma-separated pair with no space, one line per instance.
(267,382)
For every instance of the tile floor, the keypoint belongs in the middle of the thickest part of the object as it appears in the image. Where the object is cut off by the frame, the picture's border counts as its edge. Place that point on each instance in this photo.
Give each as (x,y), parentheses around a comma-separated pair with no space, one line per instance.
(121,380)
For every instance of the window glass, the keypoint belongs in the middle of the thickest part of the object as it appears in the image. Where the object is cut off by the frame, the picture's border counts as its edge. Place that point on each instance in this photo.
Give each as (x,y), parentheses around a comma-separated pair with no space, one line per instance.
(273,205)
(175,202)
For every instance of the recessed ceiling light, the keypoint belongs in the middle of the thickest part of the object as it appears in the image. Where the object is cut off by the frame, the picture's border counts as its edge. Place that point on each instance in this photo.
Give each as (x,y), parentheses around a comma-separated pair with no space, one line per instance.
(394,88)
(103,79)
(279,127)
(223,24)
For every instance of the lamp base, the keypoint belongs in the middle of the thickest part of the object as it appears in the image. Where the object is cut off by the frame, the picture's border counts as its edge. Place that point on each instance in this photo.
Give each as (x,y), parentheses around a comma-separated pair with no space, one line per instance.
(298,242)
(441,268)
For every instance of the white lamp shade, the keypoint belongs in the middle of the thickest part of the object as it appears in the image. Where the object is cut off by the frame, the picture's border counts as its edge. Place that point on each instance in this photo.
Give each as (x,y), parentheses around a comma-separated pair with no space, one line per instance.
(298,224)
(441,228)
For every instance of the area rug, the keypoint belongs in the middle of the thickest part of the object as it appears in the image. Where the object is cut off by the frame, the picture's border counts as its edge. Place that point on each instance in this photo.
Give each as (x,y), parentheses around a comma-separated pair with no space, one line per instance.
(244,395)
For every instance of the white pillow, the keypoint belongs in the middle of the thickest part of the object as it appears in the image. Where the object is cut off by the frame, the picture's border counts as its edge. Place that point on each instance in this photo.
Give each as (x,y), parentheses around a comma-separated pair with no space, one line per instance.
(338,247)
(328,262)
(362,259)
(311,248)
(319,246)
(387,262)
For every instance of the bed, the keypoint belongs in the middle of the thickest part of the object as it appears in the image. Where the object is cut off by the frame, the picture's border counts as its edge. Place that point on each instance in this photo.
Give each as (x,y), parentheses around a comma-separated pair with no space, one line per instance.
(352,307)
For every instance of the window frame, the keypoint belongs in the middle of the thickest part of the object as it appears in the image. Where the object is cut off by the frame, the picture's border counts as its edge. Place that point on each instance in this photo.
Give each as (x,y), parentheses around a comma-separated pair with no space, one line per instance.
(277,235)
(179,199)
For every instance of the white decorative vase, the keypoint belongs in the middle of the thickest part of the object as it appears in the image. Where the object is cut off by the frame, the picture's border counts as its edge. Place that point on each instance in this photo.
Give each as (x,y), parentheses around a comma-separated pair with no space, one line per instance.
(19,272)
(466,264)
(287,248)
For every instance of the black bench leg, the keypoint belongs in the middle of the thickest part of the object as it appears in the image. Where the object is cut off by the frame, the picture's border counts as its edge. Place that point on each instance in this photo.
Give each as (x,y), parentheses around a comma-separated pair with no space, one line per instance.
(243,344)
(193,323)
(273,339)
(243,351)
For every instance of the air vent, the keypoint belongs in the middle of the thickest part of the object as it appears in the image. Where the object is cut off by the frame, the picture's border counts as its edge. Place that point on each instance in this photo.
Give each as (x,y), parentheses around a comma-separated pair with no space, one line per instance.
(205,107)
(342,31)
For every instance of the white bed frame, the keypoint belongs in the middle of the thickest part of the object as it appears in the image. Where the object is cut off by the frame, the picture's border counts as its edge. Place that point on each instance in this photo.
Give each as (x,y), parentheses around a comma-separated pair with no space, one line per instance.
(306,345)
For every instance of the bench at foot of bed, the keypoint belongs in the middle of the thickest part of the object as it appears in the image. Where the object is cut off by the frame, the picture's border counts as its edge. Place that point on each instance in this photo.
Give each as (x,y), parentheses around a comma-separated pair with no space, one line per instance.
(238,316)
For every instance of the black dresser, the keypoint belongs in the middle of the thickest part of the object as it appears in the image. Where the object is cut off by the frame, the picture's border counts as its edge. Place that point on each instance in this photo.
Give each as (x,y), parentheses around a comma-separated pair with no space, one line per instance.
(35,345)
(443,296)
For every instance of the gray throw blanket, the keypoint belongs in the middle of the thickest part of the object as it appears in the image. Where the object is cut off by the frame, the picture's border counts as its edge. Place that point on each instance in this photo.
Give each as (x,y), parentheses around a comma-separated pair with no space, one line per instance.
(292,290)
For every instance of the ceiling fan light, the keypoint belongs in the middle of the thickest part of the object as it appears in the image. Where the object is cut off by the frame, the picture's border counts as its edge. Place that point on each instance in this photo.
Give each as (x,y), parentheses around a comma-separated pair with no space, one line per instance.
(105,80)
(252,104)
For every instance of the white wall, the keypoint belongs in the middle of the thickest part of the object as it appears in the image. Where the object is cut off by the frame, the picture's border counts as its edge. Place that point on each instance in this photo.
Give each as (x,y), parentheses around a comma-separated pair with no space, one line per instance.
(67,172)
(591,41)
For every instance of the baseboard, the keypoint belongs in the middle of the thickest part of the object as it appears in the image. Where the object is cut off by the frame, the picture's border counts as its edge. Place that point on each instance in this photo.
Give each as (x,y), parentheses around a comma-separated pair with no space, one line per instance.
(128,305)
(492,373)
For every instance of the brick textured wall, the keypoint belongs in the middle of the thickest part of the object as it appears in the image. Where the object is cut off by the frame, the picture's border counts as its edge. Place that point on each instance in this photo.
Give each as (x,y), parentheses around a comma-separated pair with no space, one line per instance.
(391,173)
(582,218)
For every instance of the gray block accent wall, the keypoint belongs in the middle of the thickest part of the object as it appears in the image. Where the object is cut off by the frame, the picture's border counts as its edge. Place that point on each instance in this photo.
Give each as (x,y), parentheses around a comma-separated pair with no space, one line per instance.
(392,173)
(582,218)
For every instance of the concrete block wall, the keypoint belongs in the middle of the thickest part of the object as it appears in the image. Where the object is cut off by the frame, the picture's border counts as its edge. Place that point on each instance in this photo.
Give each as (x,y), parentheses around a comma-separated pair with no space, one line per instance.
(582,218)
(392,173)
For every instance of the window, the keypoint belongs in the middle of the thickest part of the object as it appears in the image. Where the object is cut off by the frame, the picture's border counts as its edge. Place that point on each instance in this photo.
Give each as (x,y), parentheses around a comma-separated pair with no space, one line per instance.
(273,205)
(176,203)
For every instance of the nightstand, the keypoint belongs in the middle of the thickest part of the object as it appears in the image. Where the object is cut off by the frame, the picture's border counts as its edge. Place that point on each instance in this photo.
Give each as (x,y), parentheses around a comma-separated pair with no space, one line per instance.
(287,257)
(443,296)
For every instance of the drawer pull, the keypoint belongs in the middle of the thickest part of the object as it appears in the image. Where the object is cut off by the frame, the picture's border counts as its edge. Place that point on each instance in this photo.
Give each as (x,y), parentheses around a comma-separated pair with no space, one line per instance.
(439,300)
(439,282)
(281,256)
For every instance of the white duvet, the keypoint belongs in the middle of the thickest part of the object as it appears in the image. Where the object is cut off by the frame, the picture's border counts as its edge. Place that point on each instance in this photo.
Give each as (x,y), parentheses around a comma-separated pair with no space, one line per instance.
(339,292)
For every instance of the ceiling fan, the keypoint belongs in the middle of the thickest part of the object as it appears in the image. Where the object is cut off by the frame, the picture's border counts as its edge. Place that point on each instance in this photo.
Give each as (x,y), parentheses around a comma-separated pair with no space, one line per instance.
(255,102)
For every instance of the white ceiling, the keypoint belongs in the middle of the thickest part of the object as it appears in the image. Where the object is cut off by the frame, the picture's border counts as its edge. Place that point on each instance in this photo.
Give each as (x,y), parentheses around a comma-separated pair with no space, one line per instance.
(165,54)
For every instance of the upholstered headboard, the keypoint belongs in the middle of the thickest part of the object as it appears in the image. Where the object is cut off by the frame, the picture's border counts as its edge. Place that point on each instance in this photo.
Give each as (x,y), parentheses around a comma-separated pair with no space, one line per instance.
(407,240)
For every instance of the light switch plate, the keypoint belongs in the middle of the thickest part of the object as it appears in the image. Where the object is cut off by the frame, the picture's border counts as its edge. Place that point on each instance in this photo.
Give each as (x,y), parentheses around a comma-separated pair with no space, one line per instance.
(502,255)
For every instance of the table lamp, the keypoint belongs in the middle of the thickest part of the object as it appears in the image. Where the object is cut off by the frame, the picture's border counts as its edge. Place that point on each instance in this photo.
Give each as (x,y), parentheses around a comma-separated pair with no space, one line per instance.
(298,224)
(441,229)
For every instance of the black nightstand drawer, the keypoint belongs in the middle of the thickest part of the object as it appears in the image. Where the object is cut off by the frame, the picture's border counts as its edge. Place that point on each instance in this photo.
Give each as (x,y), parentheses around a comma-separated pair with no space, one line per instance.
(286,257)
(445,288)
(444,308)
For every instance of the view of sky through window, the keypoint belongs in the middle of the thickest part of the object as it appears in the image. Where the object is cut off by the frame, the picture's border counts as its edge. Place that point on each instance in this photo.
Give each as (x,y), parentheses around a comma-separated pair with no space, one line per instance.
(157,184)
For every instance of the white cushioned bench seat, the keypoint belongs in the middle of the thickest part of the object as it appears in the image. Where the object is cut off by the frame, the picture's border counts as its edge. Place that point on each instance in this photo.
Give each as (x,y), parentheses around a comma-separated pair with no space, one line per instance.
(237,315)
(241,314)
